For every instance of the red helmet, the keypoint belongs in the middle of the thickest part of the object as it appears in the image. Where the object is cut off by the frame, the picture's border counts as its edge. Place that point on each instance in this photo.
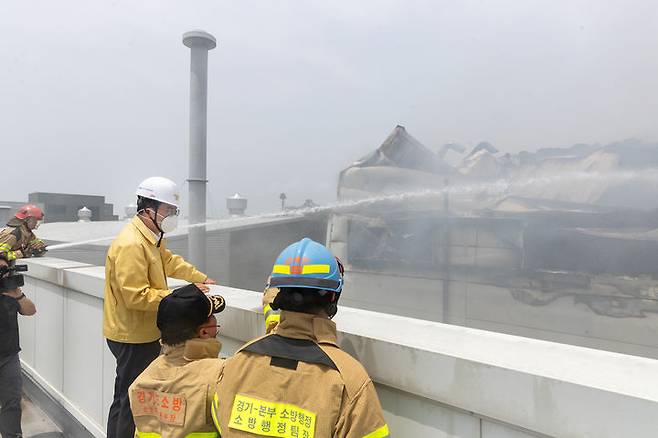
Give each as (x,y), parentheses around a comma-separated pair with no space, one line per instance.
(29,210)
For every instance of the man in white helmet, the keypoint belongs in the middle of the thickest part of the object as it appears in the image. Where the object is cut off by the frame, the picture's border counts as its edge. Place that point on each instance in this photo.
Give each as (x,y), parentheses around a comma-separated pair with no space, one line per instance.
(136,270)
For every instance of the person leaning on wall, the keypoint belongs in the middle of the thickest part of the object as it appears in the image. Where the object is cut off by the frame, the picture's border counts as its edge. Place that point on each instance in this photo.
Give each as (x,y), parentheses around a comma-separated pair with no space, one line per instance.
(183,377)
(136,270)
(296,381)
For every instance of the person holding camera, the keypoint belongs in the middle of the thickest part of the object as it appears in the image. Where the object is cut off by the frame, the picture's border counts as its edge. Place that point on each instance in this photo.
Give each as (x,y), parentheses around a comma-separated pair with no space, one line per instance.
(12,302)
(18,241)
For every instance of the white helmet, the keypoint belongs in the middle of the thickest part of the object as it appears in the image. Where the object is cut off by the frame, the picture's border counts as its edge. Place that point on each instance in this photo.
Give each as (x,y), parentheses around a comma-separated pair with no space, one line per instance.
(159,189)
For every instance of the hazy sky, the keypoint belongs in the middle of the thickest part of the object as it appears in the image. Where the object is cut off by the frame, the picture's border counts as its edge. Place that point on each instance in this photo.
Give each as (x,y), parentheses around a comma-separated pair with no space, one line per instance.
(94,94)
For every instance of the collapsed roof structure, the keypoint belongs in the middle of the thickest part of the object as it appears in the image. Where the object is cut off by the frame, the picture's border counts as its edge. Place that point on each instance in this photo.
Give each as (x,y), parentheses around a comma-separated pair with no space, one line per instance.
(571,233)
(622,175)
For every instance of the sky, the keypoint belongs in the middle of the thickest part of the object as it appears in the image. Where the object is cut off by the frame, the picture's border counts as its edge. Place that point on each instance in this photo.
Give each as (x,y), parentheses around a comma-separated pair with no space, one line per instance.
(94,95)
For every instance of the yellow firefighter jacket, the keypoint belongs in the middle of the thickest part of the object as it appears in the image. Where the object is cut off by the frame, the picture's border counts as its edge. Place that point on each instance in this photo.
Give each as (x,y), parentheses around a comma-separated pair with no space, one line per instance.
(16,241)
(297,383)
(272,317)
(172,397)
(136,272)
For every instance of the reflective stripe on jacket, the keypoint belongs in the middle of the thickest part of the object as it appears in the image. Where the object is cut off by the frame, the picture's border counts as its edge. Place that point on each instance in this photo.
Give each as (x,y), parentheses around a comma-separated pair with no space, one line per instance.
(272,317)
(14,240)
(139,434)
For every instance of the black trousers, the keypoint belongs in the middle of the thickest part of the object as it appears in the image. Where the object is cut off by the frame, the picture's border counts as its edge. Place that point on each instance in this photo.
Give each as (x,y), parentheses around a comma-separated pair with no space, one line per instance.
(11,389)
(132,359)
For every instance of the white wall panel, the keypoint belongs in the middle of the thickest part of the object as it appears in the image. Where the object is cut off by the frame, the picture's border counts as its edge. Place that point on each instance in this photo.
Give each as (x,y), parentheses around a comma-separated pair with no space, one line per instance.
(83,353)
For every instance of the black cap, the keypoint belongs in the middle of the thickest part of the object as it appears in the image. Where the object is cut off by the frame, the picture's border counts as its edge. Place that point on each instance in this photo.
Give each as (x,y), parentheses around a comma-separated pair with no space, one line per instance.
(187,307)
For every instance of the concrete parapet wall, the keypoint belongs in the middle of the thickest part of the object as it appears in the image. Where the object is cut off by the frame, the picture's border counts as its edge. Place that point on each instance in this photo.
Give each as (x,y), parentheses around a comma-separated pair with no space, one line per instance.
(433,379)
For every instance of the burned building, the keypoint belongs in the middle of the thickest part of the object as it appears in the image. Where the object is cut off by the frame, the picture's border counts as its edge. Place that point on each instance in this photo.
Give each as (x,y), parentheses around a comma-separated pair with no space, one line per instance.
(501,243)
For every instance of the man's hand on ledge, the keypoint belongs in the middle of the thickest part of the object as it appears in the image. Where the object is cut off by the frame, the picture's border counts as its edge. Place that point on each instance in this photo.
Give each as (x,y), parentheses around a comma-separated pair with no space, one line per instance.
(205,289)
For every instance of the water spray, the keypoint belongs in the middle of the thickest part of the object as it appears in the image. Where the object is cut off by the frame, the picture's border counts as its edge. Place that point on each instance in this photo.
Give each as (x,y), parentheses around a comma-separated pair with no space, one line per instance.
(491,188)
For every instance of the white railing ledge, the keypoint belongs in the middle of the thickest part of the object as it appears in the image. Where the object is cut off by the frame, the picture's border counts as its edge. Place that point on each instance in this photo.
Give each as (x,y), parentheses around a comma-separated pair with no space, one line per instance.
(554,389)
(548,388)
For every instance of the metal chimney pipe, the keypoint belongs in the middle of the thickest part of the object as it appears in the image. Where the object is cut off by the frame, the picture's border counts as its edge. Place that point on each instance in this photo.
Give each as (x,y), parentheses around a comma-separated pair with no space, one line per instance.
(200,43)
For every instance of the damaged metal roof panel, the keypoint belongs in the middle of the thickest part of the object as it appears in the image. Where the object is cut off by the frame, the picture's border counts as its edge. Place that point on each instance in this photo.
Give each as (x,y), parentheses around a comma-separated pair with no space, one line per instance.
(402,150)
(401,164)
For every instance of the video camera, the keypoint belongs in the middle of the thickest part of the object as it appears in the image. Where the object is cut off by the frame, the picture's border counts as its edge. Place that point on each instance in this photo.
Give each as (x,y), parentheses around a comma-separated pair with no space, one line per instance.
(13,280)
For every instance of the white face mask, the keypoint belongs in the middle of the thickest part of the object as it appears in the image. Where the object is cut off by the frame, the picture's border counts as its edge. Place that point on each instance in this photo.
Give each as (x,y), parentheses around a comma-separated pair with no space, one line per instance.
(37,225)
(169,223)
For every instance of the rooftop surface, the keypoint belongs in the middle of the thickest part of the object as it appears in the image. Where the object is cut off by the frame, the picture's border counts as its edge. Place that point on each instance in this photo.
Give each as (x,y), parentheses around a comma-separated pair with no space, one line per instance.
(105,231)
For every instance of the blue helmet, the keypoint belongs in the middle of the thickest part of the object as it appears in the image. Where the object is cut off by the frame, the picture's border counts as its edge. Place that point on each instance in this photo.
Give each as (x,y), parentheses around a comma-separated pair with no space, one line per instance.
(307,264)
